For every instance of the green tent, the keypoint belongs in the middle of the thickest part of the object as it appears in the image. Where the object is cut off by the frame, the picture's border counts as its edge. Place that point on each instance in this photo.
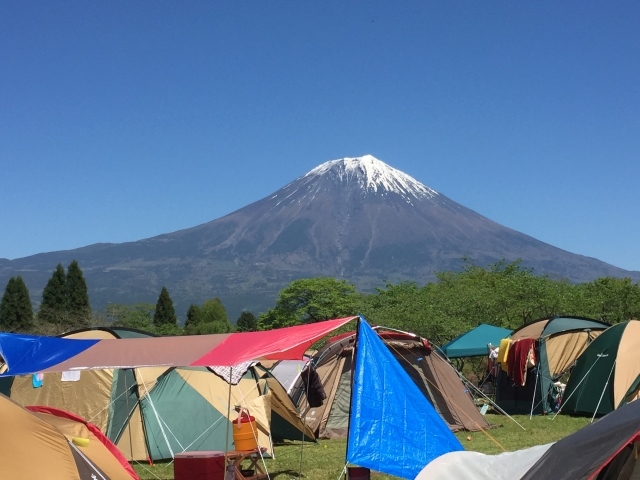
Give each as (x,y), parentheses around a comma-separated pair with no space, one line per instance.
(557,343)
(152,413)
(607,374)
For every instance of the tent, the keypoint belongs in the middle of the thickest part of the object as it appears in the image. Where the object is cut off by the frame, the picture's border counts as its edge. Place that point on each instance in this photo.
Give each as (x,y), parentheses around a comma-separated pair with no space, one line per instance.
(55,445)
(149,412)
(607,449)
(475,342)
(604,450)
(538,355)
(470,465)
(435,377)
(607,374)
(392,426)
(29,354)
(286,371)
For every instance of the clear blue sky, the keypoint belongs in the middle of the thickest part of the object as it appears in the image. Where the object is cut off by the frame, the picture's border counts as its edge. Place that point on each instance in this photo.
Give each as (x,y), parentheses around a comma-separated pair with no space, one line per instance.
(121,120)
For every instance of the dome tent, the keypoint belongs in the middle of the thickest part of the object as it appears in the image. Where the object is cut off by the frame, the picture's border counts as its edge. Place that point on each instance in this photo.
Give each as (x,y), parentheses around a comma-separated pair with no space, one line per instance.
(607,374)
(556,342)
(148,411)
(56,445)
(432,373)
(603,450)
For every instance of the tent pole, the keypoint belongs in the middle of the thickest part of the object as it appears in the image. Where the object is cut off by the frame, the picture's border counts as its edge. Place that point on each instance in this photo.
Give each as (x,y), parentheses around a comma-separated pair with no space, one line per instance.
(304,419)
(353,368)
(159,420)
(603,390)
(535,389)
(600,355)
(126,389)
(226,439)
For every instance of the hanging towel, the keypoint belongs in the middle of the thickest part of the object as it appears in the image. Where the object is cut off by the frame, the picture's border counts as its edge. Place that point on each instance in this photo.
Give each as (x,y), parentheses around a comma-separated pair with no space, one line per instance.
(503,353)
(313,387)
(522,353)
(71,376)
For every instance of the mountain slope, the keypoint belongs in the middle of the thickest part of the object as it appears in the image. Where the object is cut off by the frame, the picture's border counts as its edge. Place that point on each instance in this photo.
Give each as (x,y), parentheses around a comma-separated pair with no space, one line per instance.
(352,218)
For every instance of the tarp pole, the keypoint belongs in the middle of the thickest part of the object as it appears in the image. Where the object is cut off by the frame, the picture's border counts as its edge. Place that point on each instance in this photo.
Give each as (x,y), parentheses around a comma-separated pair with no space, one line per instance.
(604,390)
(304,419)
(226,438)
(353,368)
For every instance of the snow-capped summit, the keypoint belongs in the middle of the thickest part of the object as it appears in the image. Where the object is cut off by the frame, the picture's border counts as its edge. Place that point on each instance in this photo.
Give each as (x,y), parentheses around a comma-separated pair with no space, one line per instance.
(373,176)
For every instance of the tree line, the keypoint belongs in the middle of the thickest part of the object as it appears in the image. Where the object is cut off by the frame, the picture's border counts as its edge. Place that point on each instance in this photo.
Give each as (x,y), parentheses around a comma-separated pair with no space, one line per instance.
(504,294)
(65,307)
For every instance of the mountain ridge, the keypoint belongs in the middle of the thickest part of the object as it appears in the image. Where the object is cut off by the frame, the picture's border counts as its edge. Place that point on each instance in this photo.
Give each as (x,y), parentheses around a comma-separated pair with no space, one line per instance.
(354,218)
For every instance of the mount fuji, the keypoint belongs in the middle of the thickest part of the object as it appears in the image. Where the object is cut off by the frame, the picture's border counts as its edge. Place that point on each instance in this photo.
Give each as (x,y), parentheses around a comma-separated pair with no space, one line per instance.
(357,219)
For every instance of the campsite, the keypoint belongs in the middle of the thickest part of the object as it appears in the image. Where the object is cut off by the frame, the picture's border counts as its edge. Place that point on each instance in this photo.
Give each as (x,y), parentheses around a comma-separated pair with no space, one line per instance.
(319,240)
(297,396)
(324,460)
(403,414)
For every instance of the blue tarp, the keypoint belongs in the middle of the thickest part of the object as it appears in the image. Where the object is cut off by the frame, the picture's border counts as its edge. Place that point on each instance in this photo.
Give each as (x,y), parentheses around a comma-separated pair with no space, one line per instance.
(392,426)
(474,342)
(34,353)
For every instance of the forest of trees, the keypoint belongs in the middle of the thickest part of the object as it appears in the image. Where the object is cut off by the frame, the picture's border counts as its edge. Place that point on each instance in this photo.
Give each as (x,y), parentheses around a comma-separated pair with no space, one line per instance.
(503,294)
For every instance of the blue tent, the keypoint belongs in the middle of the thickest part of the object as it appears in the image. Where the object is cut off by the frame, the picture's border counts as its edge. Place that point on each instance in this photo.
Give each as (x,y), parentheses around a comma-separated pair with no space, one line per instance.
(392,426)
(475,342)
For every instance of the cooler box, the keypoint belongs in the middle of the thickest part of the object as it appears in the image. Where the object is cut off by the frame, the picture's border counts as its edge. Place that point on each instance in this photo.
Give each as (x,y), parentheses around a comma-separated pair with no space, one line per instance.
(206,465)
(358,473)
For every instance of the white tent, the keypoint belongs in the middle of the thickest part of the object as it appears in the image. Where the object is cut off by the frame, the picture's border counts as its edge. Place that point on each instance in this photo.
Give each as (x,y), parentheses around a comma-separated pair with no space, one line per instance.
(479,466)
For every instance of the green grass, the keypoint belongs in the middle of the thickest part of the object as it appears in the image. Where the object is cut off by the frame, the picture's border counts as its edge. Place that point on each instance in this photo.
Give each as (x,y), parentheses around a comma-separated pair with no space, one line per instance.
(325,459)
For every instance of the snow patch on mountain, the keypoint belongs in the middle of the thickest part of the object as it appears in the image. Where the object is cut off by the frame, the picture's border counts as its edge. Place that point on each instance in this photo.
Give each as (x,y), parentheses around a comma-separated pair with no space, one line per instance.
(374,176)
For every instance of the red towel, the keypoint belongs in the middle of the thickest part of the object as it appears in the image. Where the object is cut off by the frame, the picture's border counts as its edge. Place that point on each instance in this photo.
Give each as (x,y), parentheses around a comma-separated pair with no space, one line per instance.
(520,352)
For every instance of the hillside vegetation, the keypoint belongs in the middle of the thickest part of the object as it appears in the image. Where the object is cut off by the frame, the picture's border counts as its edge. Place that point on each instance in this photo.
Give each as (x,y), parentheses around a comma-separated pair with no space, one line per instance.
(503,294)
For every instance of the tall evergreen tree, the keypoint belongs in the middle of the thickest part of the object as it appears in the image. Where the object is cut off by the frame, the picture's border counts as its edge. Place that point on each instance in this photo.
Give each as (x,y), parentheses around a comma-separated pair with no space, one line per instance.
(7,307)
(211,317)
(16,313)
(78,307)
(165,314)
(247,322)
(192,315)
(53,308)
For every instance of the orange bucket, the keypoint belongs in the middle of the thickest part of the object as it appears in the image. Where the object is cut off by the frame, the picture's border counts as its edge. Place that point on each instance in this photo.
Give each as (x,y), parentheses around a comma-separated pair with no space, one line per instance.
(245,431)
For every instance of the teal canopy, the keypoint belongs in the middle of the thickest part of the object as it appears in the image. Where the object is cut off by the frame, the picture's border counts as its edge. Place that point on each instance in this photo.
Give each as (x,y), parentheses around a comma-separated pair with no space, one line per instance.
(475,342)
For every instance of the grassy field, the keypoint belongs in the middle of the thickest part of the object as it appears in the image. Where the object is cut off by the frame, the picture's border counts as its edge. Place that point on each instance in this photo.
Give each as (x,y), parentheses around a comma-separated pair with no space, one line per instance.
(326,458)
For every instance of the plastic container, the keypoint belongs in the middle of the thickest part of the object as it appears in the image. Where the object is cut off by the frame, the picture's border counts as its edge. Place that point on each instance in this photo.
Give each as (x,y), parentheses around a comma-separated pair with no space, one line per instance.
(245,431)
(358,473)
(204,465)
